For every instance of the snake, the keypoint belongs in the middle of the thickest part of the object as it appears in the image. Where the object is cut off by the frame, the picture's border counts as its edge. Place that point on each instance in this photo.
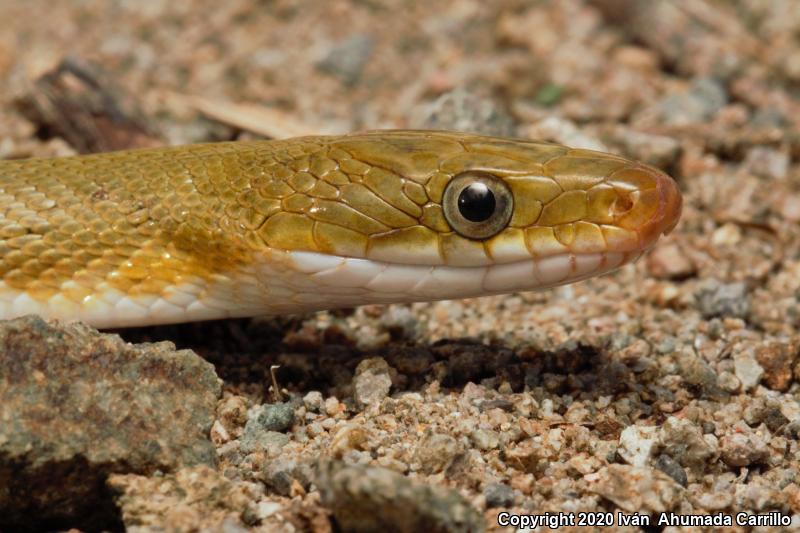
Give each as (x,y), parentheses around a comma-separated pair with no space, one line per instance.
(265,227)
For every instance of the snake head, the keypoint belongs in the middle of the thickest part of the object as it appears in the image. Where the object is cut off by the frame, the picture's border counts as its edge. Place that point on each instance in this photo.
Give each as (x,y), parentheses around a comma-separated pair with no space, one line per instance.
(264,227)
(463,215)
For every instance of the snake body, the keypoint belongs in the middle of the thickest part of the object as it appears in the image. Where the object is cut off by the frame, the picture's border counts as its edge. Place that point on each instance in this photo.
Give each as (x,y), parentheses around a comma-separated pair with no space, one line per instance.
(263,227)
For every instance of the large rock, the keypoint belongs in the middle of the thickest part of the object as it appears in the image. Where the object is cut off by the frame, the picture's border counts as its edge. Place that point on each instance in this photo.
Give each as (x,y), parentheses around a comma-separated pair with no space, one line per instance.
(192,499)
(77,405)
(366,498)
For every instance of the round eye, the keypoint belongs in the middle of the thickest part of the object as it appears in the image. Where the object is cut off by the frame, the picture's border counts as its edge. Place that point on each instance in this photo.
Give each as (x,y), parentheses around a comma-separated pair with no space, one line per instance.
(477,205)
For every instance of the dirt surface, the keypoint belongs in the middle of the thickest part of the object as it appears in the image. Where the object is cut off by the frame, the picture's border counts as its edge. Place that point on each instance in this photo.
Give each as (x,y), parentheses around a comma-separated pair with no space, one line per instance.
(671,386)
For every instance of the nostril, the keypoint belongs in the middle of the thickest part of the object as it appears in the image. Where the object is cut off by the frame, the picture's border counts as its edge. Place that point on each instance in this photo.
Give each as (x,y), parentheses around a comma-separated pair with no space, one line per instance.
(623,203)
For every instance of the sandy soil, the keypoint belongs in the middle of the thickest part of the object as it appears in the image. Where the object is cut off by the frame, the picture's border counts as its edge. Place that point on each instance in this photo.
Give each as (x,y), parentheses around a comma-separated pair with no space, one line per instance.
(669,386)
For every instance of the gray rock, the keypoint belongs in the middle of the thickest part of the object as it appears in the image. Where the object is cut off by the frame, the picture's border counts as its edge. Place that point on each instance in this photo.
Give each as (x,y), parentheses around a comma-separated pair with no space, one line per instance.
(313,401)
(267,441)
(667,464)
(281,472)
(565,132)
(698,374)
(498,495)
(230,453)
(768,162)
(658,150)
(705,97)
(460,110)
(347,59)
(367,499)
(792,429)
(716,299)
(270,417)
(78,405)
(667,345)
(766,412)
(768,117)
(683,441)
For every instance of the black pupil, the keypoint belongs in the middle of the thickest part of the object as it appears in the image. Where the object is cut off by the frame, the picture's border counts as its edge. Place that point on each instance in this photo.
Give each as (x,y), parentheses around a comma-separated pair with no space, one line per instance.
(476,202)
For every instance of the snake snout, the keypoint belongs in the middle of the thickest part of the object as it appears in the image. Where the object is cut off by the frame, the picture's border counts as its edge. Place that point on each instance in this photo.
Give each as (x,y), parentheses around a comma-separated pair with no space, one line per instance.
(648,202)
(668,209)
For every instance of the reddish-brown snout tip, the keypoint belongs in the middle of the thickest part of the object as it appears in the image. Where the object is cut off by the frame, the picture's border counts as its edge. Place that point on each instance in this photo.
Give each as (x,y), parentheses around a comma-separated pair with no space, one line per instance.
(668,210)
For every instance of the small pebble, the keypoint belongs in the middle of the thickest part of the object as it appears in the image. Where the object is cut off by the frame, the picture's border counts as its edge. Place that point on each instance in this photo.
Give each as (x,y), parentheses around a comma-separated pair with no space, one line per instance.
(372,381)
(435,452)
(265,509)
(777,359)
(636,444)
(699,374)
(332,406)
(740,449)
(313,401)
(667,261)
(461,110)
(636,489)
(232,414)
(498,495)
(314,429)
(278,474)
(565,132)
(729,382)
(267,441)
(485,439)
(714,501)
(746,368)
(767,162)
(391,498)
(657,150)
(705,97)
(271,417)
(349,437)
(667,464)
(716,299)
(683,441)
(347,59)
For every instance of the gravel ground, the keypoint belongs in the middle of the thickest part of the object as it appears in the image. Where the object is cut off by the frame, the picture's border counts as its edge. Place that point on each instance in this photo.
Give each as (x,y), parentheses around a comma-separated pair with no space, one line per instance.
(671,386)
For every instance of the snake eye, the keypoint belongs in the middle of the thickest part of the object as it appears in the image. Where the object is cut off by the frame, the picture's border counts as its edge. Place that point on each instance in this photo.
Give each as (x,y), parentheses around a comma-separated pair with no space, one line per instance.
(477,205)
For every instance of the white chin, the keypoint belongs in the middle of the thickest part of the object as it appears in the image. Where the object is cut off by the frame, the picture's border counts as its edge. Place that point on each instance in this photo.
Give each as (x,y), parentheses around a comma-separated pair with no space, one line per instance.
(279,282)
(385,282)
